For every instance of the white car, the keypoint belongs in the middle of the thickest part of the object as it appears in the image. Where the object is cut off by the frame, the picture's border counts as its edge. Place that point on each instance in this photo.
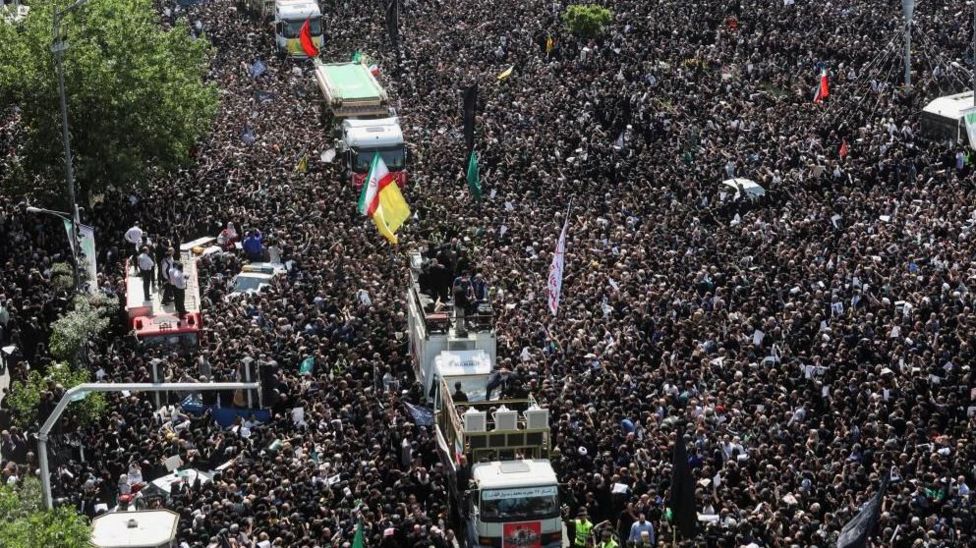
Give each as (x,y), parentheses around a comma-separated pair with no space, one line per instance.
(256,276)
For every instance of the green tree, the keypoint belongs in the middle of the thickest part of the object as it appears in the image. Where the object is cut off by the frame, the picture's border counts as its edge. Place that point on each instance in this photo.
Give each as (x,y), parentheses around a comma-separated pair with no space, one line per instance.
(23,524)
(88,319)
(587,20)
(25,396)
(137,101)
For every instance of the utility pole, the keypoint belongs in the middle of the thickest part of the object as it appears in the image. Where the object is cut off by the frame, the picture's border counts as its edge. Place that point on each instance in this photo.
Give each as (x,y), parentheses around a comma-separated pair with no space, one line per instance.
(80,391)
(908,9)
(58,47)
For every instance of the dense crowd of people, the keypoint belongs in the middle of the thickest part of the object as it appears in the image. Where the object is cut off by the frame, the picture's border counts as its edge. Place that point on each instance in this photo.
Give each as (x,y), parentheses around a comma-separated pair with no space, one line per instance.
(807,343)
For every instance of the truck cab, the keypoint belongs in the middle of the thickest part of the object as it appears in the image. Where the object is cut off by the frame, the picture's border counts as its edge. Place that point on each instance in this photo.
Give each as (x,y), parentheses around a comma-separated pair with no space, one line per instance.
(514,503)
(362,138)
(289,16)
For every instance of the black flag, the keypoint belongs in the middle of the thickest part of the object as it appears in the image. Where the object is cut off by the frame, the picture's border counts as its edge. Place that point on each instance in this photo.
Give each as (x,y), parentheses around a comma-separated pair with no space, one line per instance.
(470,101)
(856,532)
(684,516)
(393,23)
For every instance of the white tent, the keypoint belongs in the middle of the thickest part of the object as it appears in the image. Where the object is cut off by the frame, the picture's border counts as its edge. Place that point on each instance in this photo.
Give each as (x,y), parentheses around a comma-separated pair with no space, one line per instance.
(745,187)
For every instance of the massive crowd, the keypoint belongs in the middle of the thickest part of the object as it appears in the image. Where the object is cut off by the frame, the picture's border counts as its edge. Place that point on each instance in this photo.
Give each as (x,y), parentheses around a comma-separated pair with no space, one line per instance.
(807,343)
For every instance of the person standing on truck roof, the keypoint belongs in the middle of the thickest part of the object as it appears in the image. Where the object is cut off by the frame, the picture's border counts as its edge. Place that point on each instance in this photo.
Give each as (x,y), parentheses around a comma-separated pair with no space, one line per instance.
(164,267)
(178,280)
(134,237)
(145,263)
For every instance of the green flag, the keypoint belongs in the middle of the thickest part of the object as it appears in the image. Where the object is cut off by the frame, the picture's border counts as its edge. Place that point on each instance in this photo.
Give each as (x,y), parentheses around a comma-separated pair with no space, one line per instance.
(357,57)
(307,365)
(357,541)
(474,178)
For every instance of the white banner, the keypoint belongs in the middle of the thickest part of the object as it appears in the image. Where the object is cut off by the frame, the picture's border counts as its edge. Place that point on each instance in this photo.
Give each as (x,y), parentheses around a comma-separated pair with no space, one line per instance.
(969,116)
(555,283)
(520,493)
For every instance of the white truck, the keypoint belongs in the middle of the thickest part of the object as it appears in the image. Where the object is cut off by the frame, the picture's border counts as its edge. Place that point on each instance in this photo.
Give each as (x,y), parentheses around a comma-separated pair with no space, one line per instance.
(358,108)
(287,17)
(495,449)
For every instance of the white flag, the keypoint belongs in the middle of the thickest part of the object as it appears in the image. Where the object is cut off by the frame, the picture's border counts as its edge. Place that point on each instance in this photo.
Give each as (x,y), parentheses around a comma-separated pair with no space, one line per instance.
(555,283)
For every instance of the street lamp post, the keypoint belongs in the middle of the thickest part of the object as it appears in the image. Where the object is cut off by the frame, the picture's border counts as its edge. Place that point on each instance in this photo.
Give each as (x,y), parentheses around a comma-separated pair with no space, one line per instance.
(58,47)
(72,239)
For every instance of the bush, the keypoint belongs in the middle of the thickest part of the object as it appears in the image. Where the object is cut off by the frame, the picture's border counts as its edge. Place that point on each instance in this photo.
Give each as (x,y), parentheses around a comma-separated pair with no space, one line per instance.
(72,331)
(25,525)
(24,398)
(587,20)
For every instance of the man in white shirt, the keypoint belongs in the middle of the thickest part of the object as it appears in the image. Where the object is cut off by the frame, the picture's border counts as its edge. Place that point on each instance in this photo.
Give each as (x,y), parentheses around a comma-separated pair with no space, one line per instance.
(145,263)
(134,237)
(178,281)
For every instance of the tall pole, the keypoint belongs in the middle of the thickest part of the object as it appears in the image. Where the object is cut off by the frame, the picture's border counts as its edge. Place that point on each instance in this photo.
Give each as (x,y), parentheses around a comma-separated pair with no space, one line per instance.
(974,54)
(908,8)
(58,48)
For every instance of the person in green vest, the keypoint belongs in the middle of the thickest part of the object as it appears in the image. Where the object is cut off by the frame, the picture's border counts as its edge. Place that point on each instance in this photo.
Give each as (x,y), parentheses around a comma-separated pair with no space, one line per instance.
(582,527)
(607,540)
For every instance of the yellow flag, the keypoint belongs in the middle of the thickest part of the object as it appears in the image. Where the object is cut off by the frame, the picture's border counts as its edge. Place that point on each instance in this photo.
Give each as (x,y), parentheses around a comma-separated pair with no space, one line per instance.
(391,211)
(550,44)
(505,73)
(302,165)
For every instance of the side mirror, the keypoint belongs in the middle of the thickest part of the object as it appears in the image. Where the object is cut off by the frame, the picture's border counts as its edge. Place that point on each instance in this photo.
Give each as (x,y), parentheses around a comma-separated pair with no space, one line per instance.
(279,28)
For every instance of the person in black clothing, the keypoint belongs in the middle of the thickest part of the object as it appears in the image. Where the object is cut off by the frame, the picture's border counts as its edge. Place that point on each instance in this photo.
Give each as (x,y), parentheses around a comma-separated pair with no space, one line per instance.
(459,395)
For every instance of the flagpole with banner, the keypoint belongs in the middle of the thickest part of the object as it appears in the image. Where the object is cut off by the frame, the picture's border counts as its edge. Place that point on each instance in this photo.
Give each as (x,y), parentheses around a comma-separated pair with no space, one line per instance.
(857,532)
(554,284)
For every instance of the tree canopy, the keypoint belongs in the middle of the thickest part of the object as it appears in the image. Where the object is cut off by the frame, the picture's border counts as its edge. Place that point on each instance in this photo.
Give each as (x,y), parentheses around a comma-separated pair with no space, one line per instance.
(137,100)
(23,524)
(587,20)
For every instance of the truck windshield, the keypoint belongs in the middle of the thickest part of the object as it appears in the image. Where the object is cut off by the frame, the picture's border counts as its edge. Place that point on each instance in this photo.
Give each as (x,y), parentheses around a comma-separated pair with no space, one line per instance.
(520,503)
(292,28)
(392,157)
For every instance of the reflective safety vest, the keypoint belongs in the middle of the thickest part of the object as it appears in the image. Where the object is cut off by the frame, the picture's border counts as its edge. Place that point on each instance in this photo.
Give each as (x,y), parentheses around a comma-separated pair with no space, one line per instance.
(583,527)
(609,544)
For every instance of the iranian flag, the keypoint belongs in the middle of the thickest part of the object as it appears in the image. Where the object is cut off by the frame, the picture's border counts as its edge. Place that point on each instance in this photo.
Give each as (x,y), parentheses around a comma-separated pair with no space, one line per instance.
(378,174)
(381,199)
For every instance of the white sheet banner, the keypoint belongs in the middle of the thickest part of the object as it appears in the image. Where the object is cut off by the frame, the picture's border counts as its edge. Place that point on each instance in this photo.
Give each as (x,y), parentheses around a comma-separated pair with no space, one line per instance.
(555,282)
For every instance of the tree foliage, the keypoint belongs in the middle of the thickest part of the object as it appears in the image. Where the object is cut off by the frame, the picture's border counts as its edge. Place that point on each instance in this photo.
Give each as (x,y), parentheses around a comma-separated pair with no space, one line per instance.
(136,97)
(587,20)
(62,276)
(25,396)
(87,320)
(23,524)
